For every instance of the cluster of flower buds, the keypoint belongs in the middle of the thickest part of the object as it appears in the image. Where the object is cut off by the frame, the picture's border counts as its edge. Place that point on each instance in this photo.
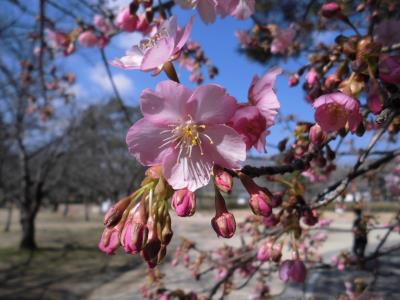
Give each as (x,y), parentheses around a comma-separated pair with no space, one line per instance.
(193,60)
(144,227)
(270,250)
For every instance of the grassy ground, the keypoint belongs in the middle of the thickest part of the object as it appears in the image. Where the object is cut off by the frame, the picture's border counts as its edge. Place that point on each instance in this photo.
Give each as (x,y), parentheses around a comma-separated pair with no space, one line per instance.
(67,265)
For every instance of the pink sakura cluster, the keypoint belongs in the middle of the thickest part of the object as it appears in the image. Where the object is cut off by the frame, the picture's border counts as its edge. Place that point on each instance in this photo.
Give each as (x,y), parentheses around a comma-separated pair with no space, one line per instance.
(99,33)
(194,135)
(210,9)
(280,40)
(192,59)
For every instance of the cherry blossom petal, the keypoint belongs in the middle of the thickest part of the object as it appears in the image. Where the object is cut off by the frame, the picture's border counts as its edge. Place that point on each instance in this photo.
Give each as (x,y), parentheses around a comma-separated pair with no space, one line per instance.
(145,142)
(155,57)
(210,104)
(132,60)
(170,26)
(228,149)
(244,9)
(207,10)
(167,105)
(183,35)
(284,270)
(191,172)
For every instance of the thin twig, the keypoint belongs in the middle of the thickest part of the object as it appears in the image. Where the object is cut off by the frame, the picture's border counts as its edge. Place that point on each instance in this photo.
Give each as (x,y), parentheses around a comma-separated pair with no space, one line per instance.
(114,87)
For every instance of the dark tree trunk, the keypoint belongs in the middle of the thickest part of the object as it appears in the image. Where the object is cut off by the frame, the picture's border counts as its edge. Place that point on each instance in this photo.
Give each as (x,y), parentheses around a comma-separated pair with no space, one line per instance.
(28,230)
(7,225)
(87,211)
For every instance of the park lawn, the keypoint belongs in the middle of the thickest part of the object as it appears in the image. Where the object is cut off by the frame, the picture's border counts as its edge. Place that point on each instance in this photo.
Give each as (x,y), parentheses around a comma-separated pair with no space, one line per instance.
(67,264)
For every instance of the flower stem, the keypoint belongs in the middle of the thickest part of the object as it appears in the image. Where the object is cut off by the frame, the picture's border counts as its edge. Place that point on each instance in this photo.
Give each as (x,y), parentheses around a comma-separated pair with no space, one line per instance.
(169,69)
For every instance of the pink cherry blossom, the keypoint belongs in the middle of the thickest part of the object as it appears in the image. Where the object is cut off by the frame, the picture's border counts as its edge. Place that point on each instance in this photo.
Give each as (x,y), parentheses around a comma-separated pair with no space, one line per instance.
(207,9)
(389,68)
(282,40)
(335,110)
(244,9)
(152,53)
(251,125)
(126,21)
(252,121)
(240,9)
(186,132)
(88,39)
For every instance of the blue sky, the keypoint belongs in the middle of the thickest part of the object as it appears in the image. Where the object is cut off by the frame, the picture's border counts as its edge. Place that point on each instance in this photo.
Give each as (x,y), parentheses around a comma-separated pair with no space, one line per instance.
(220,45)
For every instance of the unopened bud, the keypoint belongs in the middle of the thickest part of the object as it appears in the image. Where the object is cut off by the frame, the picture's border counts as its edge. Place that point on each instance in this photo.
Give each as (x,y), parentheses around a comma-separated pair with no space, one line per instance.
(135,231)
(184,202)
(317,135)
(260,198)
(331,10)
(114,214)
(109,241)
(223,180)
(223,223)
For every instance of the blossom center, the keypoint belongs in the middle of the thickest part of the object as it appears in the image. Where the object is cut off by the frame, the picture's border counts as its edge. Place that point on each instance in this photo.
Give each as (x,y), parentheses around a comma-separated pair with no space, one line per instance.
(147,43)
(186,136)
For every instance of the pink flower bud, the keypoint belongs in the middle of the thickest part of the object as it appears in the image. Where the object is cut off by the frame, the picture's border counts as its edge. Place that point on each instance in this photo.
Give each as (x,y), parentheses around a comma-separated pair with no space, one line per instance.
(259,204)
(153,246)
(109,241)
(312,77)
(114,214)
(260,198)
(223,180)
(223,222)
(143,24)
(317,135)
(264,252)
(184,202)
(293,270)
(135,231)
(88,39)
(331,10)
(126,21)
